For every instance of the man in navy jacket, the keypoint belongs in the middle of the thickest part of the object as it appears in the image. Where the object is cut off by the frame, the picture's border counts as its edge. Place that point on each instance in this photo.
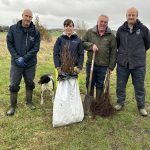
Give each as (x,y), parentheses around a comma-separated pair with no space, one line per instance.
(23,42)
(133,40)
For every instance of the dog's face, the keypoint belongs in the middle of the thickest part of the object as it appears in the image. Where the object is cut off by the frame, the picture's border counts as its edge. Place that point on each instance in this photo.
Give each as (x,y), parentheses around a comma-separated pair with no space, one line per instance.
(47,84)
(44,79)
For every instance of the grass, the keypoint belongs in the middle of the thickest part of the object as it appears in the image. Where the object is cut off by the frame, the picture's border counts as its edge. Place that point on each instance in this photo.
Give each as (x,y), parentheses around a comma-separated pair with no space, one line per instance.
(32,130)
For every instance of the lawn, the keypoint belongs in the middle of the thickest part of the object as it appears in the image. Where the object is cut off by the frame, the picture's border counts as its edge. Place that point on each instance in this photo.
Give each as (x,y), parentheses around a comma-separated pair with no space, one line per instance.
(32,130)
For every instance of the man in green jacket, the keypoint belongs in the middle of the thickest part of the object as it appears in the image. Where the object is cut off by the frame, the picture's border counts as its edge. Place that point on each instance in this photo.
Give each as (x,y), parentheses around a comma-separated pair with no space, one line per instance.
(102,41)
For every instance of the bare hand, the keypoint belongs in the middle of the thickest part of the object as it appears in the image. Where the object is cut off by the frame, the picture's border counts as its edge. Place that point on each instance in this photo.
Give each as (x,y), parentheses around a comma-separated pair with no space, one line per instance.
(77,70)
(94,48)
(59,70)
(110,71)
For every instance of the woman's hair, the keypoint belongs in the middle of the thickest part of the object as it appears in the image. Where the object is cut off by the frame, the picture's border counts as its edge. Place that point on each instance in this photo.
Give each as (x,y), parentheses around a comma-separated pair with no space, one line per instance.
(68,22)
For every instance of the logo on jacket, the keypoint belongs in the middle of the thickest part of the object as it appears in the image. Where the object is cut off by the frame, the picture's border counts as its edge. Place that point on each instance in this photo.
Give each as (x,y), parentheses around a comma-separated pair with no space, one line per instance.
(138,32)
(73,41)
(31,38)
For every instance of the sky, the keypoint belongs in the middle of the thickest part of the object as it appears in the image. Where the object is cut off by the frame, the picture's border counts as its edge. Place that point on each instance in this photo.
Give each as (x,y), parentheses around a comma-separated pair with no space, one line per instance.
(52,13)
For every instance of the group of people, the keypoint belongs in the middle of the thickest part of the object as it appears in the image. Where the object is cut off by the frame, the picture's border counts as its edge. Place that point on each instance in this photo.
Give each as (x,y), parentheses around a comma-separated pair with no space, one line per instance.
(127,49)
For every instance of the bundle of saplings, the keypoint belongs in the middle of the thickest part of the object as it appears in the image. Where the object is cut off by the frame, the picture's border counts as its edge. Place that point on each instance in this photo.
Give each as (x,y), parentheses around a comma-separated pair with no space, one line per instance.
(103,105)
(67,61)
(67,65)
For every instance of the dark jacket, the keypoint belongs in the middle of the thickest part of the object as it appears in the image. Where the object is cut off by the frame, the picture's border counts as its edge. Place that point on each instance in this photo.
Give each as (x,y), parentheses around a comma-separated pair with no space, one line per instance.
(23,42)
(107,47)
(132,45)
(74,45)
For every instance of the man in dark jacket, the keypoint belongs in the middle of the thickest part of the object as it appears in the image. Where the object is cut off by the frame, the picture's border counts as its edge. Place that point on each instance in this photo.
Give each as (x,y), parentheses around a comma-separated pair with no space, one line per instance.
(133,40)
(101,40)
(23,42)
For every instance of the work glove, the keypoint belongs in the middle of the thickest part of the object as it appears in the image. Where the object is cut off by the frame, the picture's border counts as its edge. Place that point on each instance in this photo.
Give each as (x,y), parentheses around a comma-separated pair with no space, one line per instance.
(77,70)
(20,62)
(62,76)
(59,70)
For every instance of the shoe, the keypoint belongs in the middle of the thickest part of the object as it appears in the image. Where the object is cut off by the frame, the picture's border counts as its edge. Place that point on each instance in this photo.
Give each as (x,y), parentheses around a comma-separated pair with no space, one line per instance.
(99,93)
(11,111)
(118,107)
(143,112)
(31,106)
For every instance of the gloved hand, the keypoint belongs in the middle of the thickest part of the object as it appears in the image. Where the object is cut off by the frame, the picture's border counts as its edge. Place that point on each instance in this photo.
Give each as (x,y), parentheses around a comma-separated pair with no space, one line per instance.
(20,62)
(62,76)
(77,70)
(59,70)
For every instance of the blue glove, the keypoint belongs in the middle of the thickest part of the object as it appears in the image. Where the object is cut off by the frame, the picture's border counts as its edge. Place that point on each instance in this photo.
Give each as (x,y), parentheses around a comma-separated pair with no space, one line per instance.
(20,62)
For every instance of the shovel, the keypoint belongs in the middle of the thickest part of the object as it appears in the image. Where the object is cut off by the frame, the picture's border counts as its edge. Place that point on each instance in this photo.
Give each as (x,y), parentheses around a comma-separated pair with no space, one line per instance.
(88,99)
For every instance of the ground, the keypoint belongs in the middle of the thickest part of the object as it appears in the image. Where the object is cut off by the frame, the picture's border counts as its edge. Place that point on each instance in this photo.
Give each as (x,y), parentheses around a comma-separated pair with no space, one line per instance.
(32,130)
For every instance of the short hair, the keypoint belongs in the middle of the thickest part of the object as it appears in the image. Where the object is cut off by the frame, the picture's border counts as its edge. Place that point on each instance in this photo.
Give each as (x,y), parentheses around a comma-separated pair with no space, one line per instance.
(68,22)
(133,8)
(102,15)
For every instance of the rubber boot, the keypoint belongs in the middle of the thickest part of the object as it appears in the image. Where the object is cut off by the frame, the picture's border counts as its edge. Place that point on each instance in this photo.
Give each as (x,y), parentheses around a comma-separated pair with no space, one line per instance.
(91,91)
(13,103)
(99,93)
(29,102)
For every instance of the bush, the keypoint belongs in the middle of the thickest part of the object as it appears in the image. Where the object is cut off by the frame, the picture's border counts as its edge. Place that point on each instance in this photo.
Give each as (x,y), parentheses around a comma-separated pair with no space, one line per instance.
(81,28)
(45,35)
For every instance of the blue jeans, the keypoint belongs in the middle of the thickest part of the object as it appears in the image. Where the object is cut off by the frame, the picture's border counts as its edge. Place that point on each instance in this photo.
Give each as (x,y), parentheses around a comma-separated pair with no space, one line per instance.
(98,78)
(138,77)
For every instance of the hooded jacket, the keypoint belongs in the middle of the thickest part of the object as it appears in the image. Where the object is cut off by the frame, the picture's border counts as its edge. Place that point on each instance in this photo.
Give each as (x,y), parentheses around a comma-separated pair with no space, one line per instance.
(75,47)
(23,42)
(132,45)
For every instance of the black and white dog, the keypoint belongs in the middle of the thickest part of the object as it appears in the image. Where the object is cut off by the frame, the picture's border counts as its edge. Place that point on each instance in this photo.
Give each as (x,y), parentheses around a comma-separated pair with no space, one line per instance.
(47,83)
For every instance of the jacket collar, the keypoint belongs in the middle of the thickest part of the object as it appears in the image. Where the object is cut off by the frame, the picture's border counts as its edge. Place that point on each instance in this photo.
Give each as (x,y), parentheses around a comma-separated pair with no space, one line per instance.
(136,26)
(108,30)
(74,35)
(31,28)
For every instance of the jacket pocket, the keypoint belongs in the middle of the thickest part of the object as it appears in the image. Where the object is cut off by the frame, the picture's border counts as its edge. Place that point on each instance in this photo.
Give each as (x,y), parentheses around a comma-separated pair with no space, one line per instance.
(121,58)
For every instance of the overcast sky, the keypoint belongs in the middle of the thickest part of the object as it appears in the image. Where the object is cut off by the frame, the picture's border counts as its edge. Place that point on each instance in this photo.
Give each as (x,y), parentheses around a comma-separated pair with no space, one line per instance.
(52,13)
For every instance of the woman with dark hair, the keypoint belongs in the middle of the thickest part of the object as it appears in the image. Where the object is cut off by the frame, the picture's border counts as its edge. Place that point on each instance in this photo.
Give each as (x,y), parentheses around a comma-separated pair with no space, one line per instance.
(73,43)
(68,54)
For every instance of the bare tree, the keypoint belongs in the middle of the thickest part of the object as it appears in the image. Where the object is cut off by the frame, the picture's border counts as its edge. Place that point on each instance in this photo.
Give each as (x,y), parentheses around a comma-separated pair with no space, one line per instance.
(81,28)
(45,35)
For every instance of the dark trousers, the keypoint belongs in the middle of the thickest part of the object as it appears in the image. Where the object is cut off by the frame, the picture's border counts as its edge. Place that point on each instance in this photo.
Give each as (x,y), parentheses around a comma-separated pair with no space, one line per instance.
(16,75)
(138,77)
(99,73)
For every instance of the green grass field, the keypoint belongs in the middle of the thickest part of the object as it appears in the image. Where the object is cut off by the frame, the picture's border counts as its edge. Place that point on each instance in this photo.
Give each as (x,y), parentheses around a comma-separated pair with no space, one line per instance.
(32,130)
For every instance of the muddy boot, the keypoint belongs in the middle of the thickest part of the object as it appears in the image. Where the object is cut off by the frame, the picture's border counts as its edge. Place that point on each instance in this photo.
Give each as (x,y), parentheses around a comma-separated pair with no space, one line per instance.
(29,102)
(13,102)
(92,91)
(98,93)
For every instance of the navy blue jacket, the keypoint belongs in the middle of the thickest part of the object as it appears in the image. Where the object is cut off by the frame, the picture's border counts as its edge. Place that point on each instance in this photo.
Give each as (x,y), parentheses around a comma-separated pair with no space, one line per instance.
(132,45)
(23,42)
(75,47)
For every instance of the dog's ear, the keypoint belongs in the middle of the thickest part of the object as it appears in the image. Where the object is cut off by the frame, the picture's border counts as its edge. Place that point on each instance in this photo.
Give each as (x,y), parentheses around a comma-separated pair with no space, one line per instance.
(41,79)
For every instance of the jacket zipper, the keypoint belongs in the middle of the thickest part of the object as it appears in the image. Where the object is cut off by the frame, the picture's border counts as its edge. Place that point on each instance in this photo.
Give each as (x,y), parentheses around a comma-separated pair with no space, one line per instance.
(69,44)
(26,42)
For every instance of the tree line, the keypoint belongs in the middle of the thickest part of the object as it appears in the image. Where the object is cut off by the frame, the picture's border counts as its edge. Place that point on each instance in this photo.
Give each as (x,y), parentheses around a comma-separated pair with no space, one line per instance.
(80,28)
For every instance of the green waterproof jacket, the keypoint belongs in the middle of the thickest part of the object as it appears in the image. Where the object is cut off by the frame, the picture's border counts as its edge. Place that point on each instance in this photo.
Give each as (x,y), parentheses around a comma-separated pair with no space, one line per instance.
(107,47)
